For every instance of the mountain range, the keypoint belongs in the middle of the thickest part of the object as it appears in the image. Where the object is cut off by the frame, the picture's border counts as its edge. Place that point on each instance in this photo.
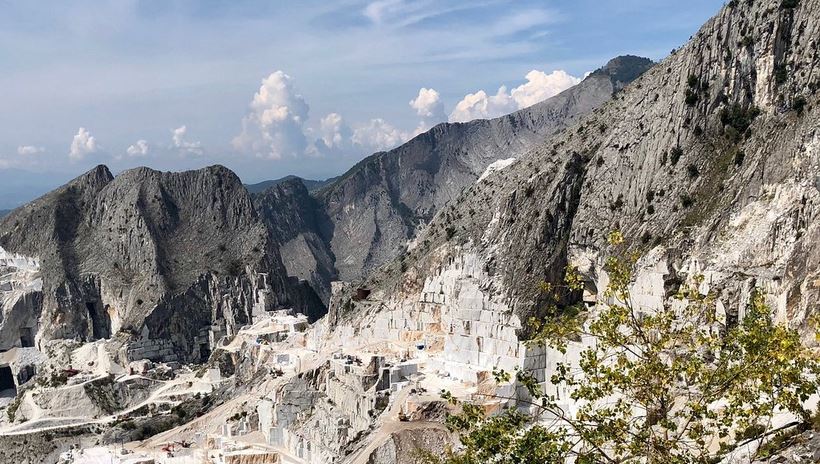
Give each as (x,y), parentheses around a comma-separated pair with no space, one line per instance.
(707,162)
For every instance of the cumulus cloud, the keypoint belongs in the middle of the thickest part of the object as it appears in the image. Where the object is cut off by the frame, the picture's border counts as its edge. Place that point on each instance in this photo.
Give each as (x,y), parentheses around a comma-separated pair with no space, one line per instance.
(334,133)
(539,87)
(378,134)
(428,104)
(28,150)
(83,144)
(479,105)
(429,107)
(140,148)
(179,139)
(275,124)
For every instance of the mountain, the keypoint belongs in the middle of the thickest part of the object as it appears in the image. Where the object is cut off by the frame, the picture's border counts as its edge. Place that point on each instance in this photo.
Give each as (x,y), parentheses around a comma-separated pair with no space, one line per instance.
(311,185)
(381,203)
(159,255)
(708,163)
(4,212)
(298,223)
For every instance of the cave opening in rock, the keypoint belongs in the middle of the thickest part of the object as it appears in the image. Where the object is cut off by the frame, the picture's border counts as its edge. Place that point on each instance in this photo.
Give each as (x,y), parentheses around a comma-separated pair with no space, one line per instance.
(7,387)
(26,338)
(100,321)
(204,352)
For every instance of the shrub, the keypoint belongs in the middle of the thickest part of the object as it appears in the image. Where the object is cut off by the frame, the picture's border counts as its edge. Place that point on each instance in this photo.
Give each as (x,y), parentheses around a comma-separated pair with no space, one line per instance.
(690,97)
(692,171)
(619,203)
(692,81)
(799,104)
(739,156)
(789,4)
(686,200)
(675,154)
(738,119)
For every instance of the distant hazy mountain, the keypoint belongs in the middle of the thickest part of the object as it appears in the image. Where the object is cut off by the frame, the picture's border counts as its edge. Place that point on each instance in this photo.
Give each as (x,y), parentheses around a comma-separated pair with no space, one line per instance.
(18,186)
(4,212)
(311,185)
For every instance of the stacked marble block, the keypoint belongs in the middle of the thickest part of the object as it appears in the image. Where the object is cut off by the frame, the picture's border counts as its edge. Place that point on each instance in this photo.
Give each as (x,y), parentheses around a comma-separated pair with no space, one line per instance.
(457,323)
(542,363)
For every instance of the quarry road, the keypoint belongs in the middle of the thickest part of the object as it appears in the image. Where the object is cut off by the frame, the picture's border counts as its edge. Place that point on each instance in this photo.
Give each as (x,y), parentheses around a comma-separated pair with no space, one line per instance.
(389,424)
(44,424)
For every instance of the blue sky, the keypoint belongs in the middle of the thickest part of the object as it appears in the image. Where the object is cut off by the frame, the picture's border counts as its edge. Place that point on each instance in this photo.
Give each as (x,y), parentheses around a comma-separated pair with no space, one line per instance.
(275,88)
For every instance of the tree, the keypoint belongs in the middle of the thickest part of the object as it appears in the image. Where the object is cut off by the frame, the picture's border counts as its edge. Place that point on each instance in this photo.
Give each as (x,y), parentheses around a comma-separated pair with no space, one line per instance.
(668,385)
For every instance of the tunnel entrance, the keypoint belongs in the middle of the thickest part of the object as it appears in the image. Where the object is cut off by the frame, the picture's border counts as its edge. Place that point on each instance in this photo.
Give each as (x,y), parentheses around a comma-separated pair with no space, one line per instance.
(100,321)
(204,352)
(7,387)
(26,339)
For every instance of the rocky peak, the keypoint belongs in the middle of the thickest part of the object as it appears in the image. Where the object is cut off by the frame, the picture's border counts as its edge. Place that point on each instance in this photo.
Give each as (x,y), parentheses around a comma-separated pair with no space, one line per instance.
(624,69)
(711,155)
(382,202)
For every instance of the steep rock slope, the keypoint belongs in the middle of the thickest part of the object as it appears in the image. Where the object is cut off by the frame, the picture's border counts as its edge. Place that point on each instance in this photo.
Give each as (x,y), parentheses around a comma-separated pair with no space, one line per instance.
(711,158)
(297,222)
(159,254)
(379,203)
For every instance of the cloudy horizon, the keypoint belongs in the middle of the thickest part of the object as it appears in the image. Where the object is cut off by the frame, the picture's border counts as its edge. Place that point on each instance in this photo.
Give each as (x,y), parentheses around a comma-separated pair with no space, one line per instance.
(270,90)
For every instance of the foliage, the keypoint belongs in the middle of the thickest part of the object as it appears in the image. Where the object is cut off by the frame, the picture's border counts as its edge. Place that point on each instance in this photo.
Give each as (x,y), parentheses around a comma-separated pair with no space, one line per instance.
(692,171)
(737,119)
(675,154)
(799,104)
(666,385)
(690,97)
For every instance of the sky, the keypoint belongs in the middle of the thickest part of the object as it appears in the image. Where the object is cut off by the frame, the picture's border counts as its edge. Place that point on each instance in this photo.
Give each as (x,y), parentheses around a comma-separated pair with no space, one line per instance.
(271,88)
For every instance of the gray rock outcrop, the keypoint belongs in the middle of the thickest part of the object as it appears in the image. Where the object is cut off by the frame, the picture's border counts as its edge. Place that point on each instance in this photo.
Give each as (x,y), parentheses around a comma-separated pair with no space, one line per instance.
(159,255)
(712,154)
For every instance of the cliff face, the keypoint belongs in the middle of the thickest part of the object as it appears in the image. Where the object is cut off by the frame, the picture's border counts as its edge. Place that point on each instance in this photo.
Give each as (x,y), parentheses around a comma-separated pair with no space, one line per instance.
(381,202)
(710,159)
(299,225)
(133,252)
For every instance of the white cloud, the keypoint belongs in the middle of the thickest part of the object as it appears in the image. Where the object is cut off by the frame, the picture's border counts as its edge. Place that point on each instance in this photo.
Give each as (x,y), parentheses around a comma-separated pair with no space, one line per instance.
(181,143)
(377,135)
(479,105)
(140,148)
(539,87)
(334,133)
(83,144)
(28,150)
(428,104)
(274,126)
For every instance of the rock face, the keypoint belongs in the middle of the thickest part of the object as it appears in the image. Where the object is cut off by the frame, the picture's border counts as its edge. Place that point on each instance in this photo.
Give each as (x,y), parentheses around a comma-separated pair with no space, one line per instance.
(260,187)
(298,224)
(381,202)
(162,255)
(409,446)
(711,157)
